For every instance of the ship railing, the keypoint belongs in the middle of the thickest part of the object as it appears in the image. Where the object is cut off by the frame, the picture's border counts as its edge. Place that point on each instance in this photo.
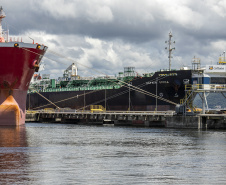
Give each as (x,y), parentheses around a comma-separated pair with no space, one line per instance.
(79,88)
(206,87)
(31,111)
(99,110)
(143,112)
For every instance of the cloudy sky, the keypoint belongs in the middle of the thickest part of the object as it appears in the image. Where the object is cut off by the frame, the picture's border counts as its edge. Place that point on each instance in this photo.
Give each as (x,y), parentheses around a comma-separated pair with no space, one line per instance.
(111,34)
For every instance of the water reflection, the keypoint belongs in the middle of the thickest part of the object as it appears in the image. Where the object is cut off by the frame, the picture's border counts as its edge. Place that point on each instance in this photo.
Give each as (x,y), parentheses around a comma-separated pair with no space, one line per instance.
(70,154)
(13,136)
(13,159)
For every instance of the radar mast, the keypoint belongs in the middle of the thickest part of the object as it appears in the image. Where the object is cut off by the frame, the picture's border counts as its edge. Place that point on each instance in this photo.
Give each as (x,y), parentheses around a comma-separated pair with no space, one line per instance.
(170,49)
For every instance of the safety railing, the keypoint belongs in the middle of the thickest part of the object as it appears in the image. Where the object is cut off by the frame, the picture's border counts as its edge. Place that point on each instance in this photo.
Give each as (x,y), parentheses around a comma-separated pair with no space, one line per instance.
(205,87)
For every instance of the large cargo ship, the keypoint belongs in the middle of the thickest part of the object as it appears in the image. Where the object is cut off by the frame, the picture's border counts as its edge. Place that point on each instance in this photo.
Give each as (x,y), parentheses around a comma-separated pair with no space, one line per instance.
(124,92)
(18,63)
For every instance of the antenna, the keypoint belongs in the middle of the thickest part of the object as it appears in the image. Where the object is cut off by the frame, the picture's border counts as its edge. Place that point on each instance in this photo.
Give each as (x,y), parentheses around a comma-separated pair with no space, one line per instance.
(169,48)
(32,39)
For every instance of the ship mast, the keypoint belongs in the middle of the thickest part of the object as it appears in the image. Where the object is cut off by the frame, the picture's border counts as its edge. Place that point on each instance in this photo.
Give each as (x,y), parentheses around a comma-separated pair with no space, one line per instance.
(170,49)
(2,15)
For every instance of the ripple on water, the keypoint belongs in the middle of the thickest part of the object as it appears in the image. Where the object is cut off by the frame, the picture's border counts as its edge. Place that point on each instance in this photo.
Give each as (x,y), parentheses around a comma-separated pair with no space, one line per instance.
(73,154)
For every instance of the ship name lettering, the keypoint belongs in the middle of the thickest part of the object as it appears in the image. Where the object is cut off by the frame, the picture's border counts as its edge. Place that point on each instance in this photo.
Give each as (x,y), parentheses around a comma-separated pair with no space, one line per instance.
(147,83)
(163,82)
(169,74)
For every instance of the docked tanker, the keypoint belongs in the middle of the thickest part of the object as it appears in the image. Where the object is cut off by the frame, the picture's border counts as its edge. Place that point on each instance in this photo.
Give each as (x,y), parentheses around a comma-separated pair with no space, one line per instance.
(127,91)
(18,63)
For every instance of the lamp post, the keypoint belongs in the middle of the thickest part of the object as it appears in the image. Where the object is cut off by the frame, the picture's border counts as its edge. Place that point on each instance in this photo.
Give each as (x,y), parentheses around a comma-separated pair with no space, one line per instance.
(105,99)
(156,100)
(129,95)
(29,101)
(224,55)
(84,99)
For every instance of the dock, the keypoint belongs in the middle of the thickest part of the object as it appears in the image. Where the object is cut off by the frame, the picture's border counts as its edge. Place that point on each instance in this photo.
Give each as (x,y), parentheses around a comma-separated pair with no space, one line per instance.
(166,119)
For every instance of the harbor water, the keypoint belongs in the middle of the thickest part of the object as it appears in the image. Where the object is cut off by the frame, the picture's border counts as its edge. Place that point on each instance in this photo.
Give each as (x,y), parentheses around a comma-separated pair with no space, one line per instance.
(76,154)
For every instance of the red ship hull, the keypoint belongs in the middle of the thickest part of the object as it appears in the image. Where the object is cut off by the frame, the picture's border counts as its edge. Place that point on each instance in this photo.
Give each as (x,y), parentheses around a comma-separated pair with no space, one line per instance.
(17,66)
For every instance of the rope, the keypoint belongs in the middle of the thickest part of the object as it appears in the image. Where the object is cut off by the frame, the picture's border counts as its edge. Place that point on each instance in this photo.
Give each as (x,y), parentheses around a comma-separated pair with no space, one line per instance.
(63,99)
(223,94)
(47,99)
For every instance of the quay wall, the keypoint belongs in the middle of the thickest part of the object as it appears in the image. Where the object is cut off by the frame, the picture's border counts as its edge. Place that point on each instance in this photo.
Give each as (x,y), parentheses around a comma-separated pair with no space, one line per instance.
(183,122)
(143,119)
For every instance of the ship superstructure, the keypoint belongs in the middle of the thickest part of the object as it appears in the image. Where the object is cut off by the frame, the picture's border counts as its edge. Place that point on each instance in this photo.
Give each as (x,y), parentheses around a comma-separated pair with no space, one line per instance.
(18,63)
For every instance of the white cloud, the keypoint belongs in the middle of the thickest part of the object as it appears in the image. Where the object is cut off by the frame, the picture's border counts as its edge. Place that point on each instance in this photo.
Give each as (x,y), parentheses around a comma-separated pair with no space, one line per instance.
(94,11)
(218,6)
(180,12)
(99,14)
(218,46)
(59,9)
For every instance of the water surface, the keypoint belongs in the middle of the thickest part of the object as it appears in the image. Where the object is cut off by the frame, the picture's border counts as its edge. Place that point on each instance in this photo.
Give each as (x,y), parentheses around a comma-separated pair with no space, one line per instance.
(75,154)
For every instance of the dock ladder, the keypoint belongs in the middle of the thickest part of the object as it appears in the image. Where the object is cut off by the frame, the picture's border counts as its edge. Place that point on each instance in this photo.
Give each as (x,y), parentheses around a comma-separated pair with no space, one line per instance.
(189,97)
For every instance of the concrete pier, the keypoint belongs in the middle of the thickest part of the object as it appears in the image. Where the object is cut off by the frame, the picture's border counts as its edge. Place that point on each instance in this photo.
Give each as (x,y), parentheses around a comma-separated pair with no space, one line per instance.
(166,119)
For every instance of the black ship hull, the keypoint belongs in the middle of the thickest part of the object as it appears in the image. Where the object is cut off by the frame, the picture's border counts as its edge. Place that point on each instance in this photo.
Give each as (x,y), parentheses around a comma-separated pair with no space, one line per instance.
(170,86)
